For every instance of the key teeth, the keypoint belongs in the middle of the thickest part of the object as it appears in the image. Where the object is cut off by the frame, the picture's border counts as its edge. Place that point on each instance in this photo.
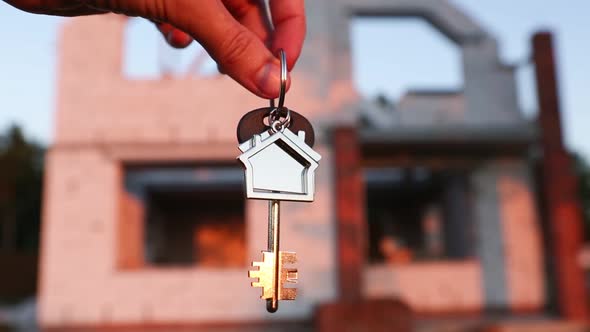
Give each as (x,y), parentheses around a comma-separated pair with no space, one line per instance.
(264,275)
(291,275)
(256,274)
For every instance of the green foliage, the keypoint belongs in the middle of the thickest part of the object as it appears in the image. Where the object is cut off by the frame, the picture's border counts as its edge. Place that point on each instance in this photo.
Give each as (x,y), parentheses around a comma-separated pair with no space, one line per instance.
(383,101)
(582,169)
(21,175)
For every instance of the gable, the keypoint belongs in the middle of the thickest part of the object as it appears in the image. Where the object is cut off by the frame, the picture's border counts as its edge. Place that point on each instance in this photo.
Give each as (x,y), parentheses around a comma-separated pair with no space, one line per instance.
(275,168)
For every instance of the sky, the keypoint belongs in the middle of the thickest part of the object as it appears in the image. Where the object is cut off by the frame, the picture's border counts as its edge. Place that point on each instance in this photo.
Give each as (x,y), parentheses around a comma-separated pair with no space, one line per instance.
(29,44)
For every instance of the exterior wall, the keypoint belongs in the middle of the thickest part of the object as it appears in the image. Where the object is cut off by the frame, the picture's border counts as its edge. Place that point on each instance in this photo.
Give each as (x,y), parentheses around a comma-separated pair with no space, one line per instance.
(424,110)
(507,271)
(429,287)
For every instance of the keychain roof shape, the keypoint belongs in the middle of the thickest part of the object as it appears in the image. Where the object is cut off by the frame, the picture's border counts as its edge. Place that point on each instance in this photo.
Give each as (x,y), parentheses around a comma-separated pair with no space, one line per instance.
(279,166)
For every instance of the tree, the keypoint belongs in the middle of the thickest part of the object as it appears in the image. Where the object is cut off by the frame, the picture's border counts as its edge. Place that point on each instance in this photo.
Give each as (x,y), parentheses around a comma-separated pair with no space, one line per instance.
(582,169)
(21,175)
(383,101)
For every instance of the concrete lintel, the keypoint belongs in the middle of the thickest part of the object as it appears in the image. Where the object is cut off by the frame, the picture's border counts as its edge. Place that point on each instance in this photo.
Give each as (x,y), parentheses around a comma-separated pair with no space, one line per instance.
(443,15)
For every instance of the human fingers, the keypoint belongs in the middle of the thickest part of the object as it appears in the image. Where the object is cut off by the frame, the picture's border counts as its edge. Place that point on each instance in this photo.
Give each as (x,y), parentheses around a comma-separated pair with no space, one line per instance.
(54,7)
(175,37)
(251,14)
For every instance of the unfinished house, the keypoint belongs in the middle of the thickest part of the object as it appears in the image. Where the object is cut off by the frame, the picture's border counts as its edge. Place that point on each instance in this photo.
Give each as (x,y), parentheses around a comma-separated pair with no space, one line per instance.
(434,203)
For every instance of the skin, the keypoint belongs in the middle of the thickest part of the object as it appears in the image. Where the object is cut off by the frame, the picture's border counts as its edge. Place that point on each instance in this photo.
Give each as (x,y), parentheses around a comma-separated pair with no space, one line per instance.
(236,33)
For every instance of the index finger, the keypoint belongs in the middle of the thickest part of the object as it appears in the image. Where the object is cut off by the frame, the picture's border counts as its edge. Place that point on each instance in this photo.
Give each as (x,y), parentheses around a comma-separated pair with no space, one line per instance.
(288,18)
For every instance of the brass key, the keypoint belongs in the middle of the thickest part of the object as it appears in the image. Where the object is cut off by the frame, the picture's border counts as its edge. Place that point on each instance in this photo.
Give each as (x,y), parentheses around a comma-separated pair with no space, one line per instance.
(271,274)
(279,164)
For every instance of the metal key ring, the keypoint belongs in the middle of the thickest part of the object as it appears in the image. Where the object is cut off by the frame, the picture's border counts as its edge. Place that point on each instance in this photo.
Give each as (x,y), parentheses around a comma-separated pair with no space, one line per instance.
(275,122)
(284,73)
(274,115)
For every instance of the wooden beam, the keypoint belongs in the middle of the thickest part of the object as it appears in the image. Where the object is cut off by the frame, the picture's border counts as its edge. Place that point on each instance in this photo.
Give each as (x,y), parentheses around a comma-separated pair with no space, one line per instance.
(559,187)
(350,204)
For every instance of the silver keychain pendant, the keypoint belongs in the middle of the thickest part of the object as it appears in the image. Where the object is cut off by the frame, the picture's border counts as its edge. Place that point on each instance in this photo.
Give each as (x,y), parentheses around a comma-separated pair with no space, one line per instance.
(278,165)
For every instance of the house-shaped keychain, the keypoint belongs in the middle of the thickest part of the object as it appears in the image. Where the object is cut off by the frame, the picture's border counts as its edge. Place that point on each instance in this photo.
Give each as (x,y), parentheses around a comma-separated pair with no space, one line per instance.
(279,166)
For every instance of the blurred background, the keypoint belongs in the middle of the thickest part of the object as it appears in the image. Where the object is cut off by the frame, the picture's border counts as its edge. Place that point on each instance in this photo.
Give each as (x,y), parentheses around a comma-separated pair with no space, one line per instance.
(453,193)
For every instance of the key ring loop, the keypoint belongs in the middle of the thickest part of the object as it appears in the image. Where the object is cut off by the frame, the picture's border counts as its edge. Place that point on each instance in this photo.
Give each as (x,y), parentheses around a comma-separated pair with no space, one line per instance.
(274,118)
(284,73)
(277,126)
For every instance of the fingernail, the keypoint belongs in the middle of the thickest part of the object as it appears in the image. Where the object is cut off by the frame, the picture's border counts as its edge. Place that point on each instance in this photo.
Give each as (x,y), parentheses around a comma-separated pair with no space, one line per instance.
(268,80)
(178,39)
(169,36)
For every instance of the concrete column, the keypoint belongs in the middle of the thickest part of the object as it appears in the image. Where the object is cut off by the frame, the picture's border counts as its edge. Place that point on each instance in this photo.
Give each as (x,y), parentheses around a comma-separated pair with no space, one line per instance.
(490,246)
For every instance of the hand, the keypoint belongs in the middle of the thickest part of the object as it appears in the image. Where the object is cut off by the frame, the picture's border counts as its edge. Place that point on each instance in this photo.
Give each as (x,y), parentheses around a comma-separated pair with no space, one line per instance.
(235,33)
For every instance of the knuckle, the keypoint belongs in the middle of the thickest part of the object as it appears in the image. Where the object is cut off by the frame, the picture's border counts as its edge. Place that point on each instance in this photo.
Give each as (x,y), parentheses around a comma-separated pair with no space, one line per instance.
(159,9)
(235,47)
(152,9)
